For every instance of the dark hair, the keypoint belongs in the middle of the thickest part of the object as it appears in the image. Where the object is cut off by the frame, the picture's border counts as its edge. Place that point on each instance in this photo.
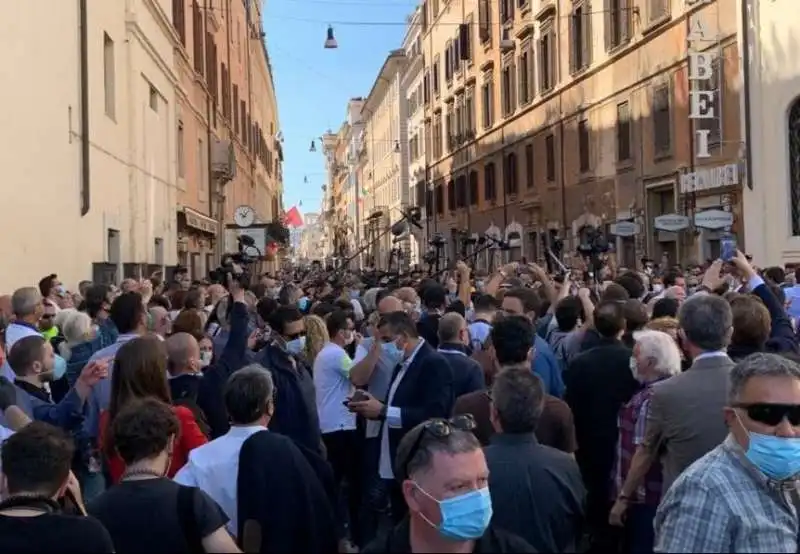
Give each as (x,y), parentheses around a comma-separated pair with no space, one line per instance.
(24,352)
(282,316)
(160,301)
(247,394)
(609,319)
(194,300)
(96,297)
(140,371)
(142,429)
(46,284)
(615,292)
(286,293)
(434,297)
(751,321)
(632,283)
(37,459)
(127,312)
(635,315)
(337,321)
(671,277)
(265,307)
(458,307)
(322,309)
(775,274)
(188,321)
(518,398)
(484,303)
(666,307)
(528,297)
(400,323)
(512,338)
(568,311)
(381,294)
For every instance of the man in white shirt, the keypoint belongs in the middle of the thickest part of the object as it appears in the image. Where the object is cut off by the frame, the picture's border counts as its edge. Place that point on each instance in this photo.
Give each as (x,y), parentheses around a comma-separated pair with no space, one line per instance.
(334,388)
(214,467)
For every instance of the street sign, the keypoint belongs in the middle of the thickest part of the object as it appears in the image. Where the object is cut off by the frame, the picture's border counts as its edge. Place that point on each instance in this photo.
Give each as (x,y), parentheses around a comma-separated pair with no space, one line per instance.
(671,222)
(713,219)
(625,228)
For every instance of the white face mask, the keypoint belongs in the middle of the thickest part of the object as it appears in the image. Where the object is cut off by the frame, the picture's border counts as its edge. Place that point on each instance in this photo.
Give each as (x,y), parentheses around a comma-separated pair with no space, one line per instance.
(633,365)
(205,358)
(657,288)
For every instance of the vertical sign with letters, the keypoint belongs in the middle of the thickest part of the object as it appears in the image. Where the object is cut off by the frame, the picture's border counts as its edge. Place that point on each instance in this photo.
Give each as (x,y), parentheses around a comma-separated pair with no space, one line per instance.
(701,70)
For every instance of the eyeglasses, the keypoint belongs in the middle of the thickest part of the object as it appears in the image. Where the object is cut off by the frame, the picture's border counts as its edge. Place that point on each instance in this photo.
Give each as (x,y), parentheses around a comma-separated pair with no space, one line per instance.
(772,414)
(47,316)
(294,336)
(440,429)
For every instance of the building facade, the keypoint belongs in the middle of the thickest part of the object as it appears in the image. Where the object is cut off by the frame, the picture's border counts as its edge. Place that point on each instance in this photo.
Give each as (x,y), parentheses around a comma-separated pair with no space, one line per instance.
(226,98)
(550,118)
(772,193)
(100,151)
(384,141)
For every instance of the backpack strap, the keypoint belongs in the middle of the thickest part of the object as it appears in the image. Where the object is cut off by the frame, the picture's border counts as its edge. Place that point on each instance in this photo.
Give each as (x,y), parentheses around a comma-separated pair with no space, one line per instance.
(188,520)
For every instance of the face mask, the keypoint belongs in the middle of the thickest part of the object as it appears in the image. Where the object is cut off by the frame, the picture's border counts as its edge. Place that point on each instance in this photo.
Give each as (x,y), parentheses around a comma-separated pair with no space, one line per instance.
(354,294)
(302,304)
(61,290)
(296,346)
(657,288)
(392,352)
(59,367)
(776,457)
(205,358)
(479,285)
(464,517)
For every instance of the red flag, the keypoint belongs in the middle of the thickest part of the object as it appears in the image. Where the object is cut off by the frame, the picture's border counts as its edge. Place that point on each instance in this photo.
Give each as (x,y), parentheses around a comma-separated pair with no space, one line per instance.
(293,218)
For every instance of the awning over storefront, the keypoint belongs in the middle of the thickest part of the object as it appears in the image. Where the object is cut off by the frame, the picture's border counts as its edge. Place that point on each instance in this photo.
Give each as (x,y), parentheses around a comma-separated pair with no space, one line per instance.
(196,220)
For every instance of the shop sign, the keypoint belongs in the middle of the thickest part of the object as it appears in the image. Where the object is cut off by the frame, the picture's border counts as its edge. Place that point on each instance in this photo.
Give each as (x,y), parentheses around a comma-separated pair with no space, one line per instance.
(671,222)
(703,103)
(713,219)
(625,228)
(710,178)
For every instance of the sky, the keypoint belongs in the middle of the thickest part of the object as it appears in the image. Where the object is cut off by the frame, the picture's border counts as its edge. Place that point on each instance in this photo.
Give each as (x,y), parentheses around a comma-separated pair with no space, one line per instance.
(313,84)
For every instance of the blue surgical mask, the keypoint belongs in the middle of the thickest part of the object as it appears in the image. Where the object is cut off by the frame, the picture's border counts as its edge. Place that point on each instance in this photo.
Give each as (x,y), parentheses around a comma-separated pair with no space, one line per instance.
(392,353)
(302,304)
(296,346)
(59,367)
(776,457)
(464,517)
(354,294)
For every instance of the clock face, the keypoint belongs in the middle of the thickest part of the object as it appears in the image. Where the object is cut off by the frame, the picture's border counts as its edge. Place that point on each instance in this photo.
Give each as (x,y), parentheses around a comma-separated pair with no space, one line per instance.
(244,216)
(251,251)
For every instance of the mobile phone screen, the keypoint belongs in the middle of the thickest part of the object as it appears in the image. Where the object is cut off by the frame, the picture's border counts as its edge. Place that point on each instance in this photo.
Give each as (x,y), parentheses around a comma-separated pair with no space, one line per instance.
(727,248)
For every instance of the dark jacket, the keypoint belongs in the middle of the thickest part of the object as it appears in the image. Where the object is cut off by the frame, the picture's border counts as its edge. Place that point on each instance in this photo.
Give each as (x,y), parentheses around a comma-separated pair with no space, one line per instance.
(537,492)
(467,373)
(80,354)
(428,328)
(781,337)
(283,498)
(295,402)
(426,391)
(210,386)
(493,540)
(599,381)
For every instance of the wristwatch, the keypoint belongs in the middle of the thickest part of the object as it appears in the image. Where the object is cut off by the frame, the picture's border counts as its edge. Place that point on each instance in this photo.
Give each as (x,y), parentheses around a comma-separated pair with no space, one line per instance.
(382,413)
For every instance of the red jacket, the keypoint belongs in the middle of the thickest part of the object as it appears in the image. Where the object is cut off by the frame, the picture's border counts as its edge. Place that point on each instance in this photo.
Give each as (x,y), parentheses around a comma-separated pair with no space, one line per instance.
(189,437)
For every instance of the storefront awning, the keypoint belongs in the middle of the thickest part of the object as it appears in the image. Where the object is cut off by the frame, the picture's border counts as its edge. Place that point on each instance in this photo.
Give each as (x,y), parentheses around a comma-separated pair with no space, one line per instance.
(196,220)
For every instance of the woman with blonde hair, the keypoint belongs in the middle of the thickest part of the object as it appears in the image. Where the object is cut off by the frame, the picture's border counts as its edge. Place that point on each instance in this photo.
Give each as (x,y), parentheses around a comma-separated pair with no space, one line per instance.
(316,338)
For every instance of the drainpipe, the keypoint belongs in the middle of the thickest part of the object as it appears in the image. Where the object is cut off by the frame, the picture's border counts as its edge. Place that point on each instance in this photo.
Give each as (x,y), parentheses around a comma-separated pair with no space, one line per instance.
(563,182)
(748,155)
(86,179)
(220,246)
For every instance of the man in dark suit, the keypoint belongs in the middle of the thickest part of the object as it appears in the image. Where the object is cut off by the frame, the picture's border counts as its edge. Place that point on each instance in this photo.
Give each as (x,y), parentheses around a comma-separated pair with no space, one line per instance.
(421,388)
(599,382)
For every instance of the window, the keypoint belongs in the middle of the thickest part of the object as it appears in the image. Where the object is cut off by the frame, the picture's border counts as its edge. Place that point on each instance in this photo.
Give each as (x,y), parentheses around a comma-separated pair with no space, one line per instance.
(506,11)
(429,209)
(455,53)
(529,165)
(618,23)
(449,130)
(439,199)
(489,185)
(547,58)
(469,112)
(448,61)
(662,122)
(583,145)
(437,136)
(511,175)
(226,92)
(461,191)
(197,37)
(235,115)
(180,153)
(201,168)
(465,35)
(109,78)
(436,76)
(657,9)
(426,87)
(153,98)
(507,92)
(524,78)
(485,21)
(212,77)
(243,115)
(794,164)
(580,40)
(179,19)
(487,101)
(550,157)
(713,103)
(473,188)
(623,132)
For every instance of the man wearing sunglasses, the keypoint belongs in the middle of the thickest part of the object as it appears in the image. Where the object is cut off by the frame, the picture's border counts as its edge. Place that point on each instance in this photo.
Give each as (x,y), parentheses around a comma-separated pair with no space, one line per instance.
(444,479)
(743,495)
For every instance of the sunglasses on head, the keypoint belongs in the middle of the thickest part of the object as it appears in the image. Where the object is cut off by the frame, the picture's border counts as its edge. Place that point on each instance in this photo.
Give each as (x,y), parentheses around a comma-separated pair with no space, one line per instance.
(438,428)
(772,414)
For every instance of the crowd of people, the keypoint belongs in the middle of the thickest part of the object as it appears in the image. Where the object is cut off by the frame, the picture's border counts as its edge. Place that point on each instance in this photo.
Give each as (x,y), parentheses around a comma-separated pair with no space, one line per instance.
(320,410)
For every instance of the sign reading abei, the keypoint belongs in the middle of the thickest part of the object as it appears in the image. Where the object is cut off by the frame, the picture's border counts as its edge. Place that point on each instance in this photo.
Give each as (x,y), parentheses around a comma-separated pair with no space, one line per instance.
(702,103)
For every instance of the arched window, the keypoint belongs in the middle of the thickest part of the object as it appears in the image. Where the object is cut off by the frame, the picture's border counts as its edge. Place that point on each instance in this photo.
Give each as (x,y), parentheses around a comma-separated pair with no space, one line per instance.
(794,164)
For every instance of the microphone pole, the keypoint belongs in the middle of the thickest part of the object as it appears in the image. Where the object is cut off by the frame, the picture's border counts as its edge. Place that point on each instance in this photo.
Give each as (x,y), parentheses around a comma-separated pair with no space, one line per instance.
(369,243)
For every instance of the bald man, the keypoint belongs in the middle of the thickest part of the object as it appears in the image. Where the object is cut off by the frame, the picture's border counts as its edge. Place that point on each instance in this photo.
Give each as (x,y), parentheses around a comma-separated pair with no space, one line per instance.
(454,346)
(185,371)
(160,322)
(390,304)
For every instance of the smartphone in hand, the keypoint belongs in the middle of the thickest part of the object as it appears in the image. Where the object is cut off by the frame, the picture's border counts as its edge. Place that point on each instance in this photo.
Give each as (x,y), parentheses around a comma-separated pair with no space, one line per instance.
(728,247)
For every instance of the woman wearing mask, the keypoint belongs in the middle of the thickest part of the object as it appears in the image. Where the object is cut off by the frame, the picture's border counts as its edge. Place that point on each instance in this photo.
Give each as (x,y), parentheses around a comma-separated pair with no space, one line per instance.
(315,340)
(140,372)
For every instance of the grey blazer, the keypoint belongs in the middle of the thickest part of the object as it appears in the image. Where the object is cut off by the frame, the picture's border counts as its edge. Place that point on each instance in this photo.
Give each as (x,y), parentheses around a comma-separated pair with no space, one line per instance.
(685,419)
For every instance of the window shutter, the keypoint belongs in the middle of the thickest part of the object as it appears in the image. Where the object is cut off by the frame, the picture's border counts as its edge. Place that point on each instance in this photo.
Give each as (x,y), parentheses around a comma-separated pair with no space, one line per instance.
(573,44)
(625,21)
(463,38)
(586,39)
(609,18)
(542,66)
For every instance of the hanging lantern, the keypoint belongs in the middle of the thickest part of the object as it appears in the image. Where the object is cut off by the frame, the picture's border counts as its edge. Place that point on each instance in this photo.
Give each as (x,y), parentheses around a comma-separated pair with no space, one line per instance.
(313,147)
(397,147)
(330,41)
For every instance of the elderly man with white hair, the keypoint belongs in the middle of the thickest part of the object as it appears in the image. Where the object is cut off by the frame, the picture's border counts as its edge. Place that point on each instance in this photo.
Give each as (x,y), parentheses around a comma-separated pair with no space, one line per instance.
(637,475)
